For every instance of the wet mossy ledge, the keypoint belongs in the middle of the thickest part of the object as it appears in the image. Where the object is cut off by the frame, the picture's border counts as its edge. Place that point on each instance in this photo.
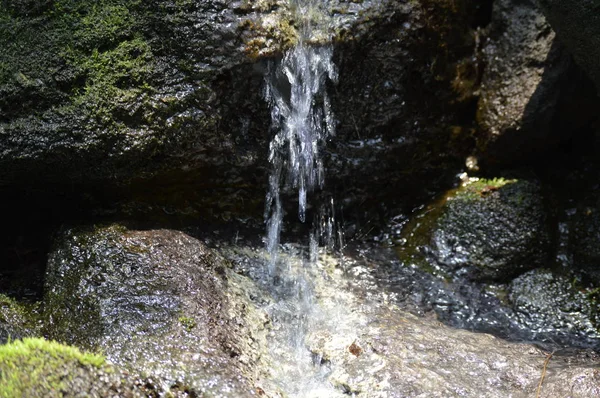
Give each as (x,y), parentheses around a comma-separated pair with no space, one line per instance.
(18,319)
(487,229)
(139,104)
(37,368)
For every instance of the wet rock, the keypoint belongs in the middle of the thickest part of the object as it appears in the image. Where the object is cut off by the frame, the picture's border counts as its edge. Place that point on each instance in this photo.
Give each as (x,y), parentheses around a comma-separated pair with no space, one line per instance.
(366,346)
(584,238)
(578,26)
(527,72)
(403,54)
(38,368)
(17,320)
(158,303)
(486,229)
(156,107)
(548,303)
(408,356)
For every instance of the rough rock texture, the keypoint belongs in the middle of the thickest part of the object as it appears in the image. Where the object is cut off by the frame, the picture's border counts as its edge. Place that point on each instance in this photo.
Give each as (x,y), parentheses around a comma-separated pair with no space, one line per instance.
(364,345)
(407,357)
(577,24)
(584,238)
(546,302)
(486,229)
(158,303)
(158,103)
(41,369)
(527,72)
(405,92)
(17,320)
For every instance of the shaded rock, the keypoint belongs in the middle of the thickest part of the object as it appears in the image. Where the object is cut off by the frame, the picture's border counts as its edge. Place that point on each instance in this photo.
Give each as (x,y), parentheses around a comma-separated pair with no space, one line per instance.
(158,303)
(152,106)
(577,25)
(486,229)
(548,303)
(38,368)
(17,320)
(405,92)
(584,239)
(527,73)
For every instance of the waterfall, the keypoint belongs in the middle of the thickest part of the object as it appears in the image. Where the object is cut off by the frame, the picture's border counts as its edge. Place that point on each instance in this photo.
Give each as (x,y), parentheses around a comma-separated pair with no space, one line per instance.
(302,121)
(301,115)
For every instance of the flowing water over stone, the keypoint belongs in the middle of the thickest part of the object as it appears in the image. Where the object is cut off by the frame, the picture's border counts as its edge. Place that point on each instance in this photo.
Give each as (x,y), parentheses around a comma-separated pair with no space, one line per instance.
(302,122)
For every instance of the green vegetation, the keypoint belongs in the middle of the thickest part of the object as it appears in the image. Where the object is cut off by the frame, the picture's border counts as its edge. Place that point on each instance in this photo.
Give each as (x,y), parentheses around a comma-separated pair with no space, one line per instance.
(481,187)
(86,58)
(35,364)
(187,322)
(20,317)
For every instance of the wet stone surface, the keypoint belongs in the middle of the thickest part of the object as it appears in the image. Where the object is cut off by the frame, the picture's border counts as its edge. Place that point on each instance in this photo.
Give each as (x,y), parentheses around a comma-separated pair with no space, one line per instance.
(484,230)
(158,303)
(365,342)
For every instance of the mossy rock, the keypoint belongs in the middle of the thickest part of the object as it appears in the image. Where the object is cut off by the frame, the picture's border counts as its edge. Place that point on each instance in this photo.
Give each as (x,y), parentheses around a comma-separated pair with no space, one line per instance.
(38,368)
(159,303)
(17,319)
(488,229)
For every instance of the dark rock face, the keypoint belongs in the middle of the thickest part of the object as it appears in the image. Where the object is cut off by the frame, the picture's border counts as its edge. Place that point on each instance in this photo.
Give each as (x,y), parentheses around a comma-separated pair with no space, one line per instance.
(405,92)
(545,303)
(487,229)
(577,24)
(158,303)
(158,104)
(584,240)
(527,72)
(126,90)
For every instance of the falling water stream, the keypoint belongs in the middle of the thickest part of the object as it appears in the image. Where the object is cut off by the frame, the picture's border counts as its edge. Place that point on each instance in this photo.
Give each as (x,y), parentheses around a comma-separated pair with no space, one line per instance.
(302,121)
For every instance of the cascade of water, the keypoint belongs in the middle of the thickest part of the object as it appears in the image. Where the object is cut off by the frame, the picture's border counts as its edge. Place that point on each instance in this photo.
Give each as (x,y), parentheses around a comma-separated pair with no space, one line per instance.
(302,121)
(301,114)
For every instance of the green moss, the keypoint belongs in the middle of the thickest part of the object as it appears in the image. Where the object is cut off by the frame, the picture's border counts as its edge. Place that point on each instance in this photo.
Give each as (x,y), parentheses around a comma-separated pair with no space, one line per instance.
(97,60)
(40,365)
(187,322)
(20,316)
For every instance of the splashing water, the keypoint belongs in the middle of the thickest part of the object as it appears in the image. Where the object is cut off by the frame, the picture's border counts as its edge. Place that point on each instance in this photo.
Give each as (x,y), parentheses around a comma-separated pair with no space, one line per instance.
(302,121)
(301,114)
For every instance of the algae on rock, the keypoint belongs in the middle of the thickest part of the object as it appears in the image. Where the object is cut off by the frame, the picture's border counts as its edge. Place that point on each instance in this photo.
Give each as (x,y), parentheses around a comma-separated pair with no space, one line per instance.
(38,368)
(486,229)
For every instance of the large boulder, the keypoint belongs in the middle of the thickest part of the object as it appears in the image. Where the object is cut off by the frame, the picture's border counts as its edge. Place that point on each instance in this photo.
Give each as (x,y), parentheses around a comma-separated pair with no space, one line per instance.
(577,24)
(160,103)
(158,303)
(484,230)
(527,73)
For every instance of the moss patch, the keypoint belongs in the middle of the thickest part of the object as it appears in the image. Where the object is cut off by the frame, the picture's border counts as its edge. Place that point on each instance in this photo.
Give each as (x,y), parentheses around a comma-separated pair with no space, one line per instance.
(19,318)
(35,364)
